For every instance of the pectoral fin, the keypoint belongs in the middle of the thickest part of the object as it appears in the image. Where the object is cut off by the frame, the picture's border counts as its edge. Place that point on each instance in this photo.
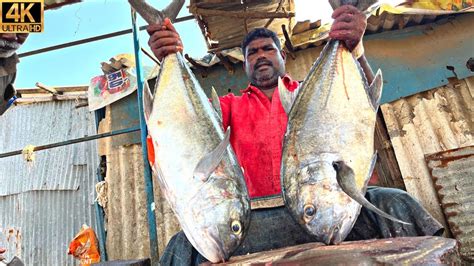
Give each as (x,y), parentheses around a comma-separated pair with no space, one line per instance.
(287,98)
(345,178)
(210,161)
(375,90)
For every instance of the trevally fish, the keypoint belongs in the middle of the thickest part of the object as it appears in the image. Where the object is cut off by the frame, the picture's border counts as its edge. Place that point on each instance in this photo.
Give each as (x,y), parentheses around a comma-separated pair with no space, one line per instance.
(192,159)
(328,151)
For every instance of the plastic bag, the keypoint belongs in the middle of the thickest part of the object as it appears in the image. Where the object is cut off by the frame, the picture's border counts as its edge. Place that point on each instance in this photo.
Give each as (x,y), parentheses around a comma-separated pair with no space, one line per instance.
(84,246)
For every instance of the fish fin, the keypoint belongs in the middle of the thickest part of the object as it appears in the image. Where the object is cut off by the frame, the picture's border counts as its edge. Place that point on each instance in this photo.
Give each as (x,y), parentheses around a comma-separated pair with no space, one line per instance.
(147,101)
(147,12)
(172,10)
(375,90)
(210,161)
(216,103)
(345,179)
(287,98)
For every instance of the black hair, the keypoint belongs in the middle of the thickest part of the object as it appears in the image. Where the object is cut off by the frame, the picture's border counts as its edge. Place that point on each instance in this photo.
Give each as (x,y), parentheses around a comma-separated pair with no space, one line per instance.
(259,33)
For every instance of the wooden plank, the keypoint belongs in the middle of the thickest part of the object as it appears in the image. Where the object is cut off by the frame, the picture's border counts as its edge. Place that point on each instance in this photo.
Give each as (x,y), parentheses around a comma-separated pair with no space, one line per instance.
(388,172)
(402,250)
(60,90)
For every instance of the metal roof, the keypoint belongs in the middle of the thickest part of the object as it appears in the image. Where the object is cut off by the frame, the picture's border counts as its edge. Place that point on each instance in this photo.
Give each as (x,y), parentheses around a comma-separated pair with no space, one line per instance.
(43,204)
(429,122)
(453,176)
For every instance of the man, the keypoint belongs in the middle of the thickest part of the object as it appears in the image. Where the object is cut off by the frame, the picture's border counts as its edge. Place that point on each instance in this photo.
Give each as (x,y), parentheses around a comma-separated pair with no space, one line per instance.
(9,43)
(258,124)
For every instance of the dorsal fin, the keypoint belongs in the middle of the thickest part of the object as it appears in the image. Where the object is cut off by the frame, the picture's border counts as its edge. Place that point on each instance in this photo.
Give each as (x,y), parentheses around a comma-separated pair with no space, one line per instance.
(210,161)
(375,90)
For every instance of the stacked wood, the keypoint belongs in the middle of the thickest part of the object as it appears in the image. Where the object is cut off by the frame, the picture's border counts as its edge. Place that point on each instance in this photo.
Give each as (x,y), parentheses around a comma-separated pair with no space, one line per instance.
(225,23)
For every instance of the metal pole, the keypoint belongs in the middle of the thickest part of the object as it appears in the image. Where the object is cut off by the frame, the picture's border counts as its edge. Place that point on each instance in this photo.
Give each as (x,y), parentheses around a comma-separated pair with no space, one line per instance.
(91,39)
(148,178)
(99,211)
(73,141)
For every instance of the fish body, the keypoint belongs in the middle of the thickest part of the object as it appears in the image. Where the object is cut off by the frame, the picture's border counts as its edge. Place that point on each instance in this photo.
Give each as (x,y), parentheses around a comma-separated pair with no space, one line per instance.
(194,163)
(328,151)
(191,156)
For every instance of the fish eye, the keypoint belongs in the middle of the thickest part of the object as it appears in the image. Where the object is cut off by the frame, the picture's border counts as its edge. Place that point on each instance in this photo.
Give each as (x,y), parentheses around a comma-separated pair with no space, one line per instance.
(309,210)
(236,227)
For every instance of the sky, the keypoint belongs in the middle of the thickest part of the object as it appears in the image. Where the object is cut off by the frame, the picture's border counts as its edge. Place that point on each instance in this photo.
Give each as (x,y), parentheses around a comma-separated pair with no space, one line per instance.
(76,65)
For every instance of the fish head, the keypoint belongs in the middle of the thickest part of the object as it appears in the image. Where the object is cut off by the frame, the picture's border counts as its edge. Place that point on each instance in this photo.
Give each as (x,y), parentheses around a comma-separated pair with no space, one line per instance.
(220,217)
(321,206)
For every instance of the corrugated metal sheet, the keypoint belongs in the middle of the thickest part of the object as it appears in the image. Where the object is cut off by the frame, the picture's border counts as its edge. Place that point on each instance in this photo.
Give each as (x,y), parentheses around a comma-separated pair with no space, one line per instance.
(453,175)
(46,202)
(38,124)
(127,224)
(387,21)
(426,123)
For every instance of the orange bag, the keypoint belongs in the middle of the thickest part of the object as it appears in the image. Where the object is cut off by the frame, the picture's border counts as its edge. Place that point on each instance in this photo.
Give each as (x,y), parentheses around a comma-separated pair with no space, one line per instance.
(84,246)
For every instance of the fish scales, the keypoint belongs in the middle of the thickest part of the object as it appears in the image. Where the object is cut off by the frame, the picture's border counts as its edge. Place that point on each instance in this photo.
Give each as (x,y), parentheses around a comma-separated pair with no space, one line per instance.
(184,129)
(328,150)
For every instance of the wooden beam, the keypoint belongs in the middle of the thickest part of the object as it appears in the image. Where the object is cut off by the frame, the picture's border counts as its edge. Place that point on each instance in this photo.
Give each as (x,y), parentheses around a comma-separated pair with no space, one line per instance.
(60,90)
(387,168)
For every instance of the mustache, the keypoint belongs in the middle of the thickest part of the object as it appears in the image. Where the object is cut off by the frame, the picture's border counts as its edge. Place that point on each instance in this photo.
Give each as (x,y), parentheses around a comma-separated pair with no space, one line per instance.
(261,62)
(8,45)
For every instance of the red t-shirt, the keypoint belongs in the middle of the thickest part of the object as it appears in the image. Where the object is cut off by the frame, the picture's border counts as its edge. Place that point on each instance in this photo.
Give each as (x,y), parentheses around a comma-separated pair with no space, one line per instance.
(258,127)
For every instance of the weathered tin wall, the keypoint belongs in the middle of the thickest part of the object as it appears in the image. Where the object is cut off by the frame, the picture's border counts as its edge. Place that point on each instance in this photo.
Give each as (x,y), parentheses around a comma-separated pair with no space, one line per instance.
(426,123)
(453,176)
(126,215)
(44,204)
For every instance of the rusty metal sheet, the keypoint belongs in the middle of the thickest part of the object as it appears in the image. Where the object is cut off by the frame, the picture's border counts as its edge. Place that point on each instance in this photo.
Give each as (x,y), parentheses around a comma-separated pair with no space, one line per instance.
(453,176)
(426,123)
(398,251)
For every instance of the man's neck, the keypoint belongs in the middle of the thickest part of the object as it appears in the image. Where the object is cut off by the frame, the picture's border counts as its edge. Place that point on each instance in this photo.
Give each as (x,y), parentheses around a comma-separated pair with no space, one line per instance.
(268,92)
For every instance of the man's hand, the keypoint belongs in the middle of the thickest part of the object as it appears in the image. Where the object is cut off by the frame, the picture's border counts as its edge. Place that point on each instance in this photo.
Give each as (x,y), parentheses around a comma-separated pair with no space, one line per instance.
(164,39)
(349,25)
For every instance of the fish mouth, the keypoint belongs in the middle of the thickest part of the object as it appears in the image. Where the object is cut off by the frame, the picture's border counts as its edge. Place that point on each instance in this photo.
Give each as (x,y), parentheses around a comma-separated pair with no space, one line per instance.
(222,254)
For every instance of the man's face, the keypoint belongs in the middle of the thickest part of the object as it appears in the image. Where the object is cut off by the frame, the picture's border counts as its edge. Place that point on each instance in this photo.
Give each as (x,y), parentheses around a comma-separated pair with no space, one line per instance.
(264,63)
(10,42)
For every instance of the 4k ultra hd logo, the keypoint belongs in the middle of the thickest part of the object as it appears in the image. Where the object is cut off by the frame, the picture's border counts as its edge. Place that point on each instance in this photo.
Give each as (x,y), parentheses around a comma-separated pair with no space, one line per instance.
(21,16)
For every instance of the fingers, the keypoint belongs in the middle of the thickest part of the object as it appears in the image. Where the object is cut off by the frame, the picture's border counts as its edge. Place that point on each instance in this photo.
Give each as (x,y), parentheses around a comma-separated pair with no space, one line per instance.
(164,39)
(165,25)
(169,25)
(345,9)
(161,52)
(344,35)
(349,26)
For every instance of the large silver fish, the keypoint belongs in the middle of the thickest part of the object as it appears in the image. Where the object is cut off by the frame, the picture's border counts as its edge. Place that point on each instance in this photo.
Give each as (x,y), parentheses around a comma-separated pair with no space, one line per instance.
(195,165)
(328,155)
